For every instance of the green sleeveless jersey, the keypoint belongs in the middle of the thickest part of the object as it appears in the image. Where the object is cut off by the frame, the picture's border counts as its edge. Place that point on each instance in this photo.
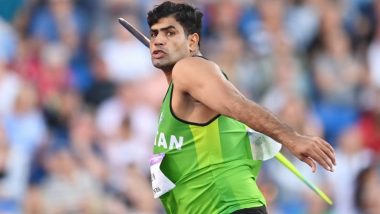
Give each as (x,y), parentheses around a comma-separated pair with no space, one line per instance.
(210,164)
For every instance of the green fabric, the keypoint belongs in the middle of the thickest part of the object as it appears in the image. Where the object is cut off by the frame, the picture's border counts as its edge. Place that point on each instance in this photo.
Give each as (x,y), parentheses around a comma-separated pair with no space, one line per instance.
(211,164)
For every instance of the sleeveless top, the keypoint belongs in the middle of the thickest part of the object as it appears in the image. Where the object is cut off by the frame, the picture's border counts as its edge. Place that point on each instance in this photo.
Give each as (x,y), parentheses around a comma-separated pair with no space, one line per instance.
(211,164)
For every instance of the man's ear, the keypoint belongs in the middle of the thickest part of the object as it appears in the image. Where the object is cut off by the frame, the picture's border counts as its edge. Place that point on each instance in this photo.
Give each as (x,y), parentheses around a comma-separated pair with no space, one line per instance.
(193,42)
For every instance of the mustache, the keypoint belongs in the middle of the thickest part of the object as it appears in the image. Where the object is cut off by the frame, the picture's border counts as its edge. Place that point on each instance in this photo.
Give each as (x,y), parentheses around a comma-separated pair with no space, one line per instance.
(158,50)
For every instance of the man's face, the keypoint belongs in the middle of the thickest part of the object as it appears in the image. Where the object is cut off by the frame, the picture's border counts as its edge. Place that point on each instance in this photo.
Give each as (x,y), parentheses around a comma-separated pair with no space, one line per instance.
(168,43)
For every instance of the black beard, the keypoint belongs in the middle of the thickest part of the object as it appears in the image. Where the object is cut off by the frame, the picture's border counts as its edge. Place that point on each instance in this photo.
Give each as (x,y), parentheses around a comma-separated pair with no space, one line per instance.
(166,68)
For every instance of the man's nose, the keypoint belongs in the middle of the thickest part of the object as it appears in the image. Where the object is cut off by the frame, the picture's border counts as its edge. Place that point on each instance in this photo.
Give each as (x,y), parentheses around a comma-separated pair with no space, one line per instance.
(159,40)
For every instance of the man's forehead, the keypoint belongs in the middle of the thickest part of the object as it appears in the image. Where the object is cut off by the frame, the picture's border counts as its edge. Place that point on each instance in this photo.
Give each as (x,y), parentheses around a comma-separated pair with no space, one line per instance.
(165,23)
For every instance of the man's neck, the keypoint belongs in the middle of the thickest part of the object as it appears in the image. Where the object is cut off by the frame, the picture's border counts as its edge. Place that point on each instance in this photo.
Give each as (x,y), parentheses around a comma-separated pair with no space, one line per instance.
(168,71)
(168,75)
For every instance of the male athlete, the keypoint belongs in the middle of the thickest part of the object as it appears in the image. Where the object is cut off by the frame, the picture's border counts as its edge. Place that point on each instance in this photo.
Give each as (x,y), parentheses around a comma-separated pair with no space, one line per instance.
(203,162)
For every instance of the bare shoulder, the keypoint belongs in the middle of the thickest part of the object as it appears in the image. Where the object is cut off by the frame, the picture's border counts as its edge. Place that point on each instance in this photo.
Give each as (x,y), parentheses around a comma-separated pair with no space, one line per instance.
(195,62)
(193,70)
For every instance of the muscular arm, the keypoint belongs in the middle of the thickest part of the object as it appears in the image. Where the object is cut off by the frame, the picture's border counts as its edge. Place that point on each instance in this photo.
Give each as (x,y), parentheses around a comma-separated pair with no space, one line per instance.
(204,81)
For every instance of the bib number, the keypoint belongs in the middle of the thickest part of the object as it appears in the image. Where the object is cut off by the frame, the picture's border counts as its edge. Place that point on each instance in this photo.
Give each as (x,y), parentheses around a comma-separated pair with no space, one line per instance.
(263,147)
(160,183)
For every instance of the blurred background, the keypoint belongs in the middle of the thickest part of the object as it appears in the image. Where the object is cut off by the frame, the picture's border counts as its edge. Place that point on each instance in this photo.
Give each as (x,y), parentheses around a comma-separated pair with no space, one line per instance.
(79,99)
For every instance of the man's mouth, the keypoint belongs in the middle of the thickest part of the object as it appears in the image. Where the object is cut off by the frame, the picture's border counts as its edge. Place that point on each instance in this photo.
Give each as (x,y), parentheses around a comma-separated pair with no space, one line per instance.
(157,54)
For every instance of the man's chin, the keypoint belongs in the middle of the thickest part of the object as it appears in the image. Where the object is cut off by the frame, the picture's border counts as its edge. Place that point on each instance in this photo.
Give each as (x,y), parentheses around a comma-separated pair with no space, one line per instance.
(163,66)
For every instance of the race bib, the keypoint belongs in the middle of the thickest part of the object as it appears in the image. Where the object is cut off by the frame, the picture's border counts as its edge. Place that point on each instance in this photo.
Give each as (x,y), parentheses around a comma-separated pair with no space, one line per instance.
(263,147)
(160,183)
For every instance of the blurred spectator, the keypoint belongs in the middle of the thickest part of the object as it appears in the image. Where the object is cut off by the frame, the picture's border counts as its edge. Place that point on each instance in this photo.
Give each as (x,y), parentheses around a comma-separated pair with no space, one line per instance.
(302,14)
(69,188)
(9,87)
(296,112)
(8,42)
(338,75)
(26,131)
(54,76)
(124,152)
(9,81)
(138,189)
(276,66)
(8,203)
(266,27)
(221,30)
(369,124)
(85,145)
(102,87)
(60,112)
(367,189)
(127,102)
(119,51)
(4,151)
(61,21)
(46,67)
(111,112)
(108,13)
(354,158)
(128,171)
(25,125)
(359,19)
(374,51)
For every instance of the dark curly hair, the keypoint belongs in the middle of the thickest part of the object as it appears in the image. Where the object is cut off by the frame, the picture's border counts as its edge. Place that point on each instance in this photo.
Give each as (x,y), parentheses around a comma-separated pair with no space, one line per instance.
(188,16)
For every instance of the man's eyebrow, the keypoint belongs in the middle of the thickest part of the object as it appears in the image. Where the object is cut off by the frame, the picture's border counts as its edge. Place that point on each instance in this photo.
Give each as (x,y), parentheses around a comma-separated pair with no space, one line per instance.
(164,28)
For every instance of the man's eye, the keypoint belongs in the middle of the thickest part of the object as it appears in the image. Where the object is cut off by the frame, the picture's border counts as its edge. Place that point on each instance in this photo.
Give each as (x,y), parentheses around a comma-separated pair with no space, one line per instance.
(170,33)
(153,34)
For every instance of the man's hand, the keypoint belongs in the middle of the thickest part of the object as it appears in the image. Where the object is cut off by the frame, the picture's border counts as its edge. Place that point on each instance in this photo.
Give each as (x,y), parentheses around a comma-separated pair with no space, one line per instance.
(310,150)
